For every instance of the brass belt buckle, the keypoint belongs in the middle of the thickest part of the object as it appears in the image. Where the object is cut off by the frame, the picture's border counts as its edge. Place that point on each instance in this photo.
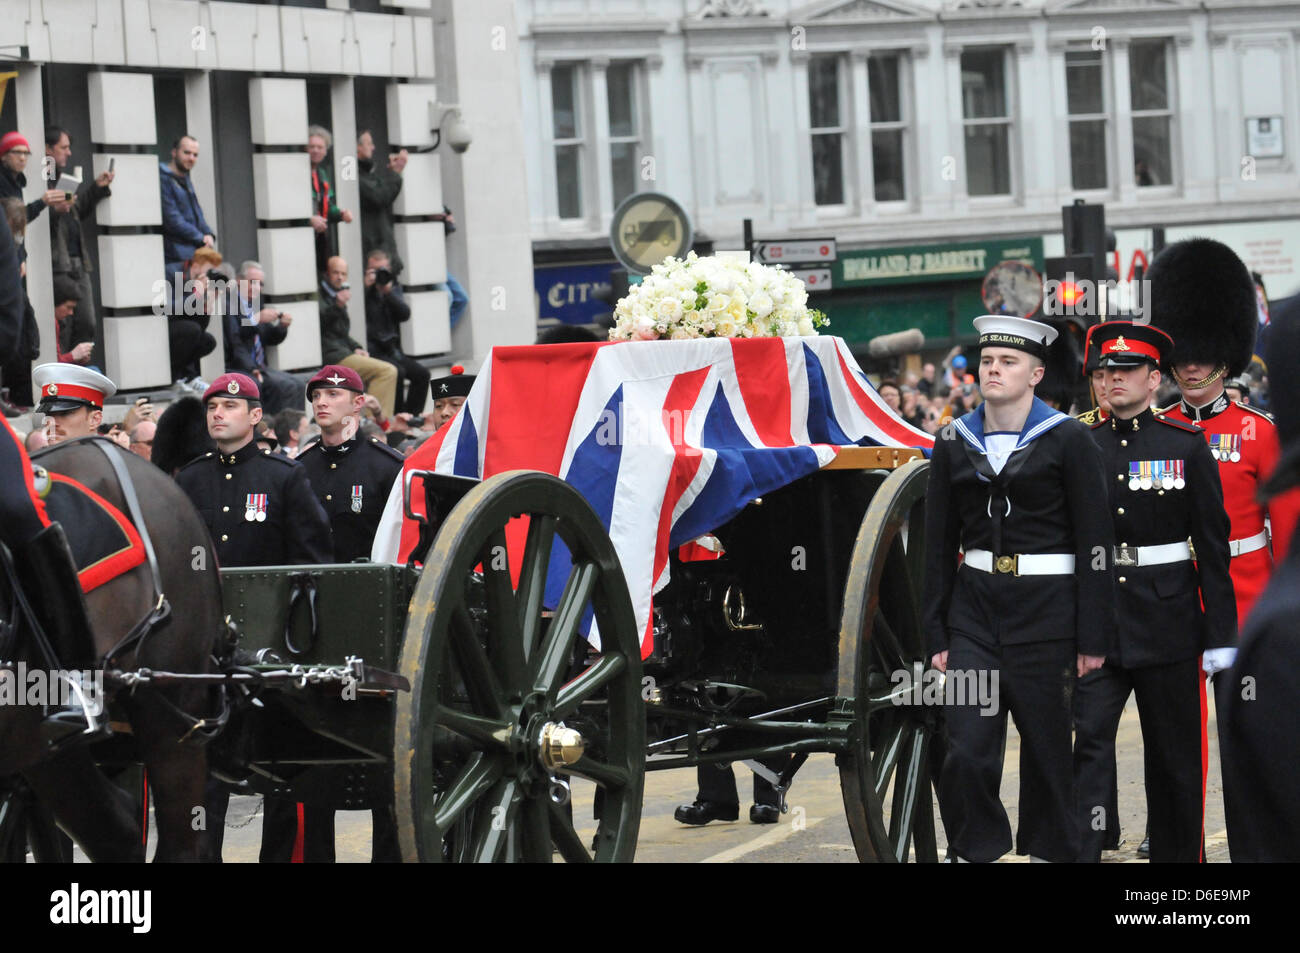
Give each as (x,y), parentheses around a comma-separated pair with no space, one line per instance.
(1009,564)
(1126,556)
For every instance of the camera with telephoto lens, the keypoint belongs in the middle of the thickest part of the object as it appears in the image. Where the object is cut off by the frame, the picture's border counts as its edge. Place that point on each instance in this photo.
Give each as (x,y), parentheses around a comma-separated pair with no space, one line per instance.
(383,276)
(214,275)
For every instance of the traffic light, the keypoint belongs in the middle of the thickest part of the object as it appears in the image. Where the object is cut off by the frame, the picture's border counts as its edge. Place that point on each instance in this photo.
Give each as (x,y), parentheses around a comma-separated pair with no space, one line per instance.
(1084,229)
(1070,290)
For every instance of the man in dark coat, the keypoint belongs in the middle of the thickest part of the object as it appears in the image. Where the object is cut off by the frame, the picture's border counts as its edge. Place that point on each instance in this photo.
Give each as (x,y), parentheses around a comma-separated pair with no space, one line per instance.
(337,346)
(184,226)
(379,190)
(69,253)
(1019,488)
(1164,488)
(249,330)
(386,310)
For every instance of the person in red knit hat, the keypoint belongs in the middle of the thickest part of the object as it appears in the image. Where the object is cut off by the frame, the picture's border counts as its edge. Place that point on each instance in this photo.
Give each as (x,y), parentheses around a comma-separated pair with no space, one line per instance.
(15,150)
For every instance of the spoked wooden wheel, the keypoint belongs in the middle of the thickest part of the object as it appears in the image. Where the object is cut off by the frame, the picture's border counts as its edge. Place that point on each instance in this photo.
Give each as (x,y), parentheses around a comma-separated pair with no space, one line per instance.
(507,701)
(886,776)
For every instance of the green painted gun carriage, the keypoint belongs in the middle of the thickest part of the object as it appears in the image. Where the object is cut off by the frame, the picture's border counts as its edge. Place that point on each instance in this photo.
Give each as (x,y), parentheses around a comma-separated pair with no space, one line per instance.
(496,723)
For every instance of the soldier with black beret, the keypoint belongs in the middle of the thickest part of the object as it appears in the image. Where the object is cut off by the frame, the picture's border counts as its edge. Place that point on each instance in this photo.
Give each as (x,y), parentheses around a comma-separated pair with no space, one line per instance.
(257,505)
(1164,489)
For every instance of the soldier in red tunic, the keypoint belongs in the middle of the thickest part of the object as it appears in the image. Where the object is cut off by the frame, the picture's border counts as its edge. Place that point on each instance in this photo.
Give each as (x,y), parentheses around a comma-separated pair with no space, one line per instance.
(1203,295)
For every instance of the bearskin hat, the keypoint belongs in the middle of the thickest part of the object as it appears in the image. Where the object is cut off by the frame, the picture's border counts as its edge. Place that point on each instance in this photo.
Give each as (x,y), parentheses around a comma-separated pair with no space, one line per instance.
(1203,297)
(182,435)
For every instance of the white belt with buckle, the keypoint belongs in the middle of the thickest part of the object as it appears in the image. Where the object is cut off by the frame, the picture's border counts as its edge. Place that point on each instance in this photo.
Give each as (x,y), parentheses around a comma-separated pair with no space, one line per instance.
(1248,545)
(1026,564)
(1152,555)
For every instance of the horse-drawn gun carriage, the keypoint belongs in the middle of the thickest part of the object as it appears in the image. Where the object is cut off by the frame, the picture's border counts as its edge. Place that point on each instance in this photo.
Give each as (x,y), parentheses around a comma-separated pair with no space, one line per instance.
(537,634)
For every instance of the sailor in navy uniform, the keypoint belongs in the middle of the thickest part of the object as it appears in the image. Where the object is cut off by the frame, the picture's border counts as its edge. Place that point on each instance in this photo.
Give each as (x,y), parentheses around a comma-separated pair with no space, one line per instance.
(1163,488)
(257,505)
(1020,488)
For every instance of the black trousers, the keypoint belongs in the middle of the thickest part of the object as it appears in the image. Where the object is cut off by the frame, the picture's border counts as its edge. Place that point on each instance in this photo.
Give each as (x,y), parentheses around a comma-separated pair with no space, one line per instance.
(412,381)
(717,782)
(1169,706)
(1034,683)
(280,830)
(188,342)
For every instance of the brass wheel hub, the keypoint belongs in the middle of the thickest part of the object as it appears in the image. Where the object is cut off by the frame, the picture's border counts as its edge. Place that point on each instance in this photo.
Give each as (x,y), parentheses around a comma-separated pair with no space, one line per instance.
(559,746)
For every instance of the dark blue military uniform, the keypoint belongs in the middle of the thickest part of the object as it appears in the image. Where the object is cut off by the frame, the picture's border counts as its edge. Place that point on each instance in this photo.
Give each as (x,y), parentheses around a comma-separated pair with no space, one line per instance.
(1164,488)
(352,482)
(259,508)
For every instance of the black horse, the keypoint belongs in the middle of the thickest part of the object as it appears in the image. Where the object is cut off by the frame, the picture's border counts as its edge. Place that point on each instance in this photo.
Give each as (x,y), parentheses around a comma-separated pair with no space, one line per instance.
(95,812)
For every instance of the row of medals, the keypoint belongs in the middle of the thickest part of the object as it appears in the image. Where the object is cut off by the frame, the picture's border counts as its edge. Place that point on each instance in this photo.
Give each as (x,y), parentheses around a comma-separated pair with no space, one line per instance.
(1168,481)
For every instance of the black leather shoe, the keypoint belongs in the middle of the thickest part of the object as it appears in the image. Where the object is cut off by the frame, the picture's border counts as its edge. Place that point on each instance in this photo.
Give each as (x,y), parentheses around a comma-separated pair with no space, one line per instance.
(701,812)
(764,814)
(1144,848)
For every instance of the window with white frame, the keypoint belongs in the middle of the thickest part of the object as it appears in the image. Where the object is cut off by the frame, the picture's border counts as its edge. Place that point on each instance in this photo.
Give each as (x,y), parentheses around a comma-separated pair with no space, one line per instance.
(1150,82)
(580,160)
(889,111)
(1086,102)
(986,118)
(621,84)
(827,109)
(567,134)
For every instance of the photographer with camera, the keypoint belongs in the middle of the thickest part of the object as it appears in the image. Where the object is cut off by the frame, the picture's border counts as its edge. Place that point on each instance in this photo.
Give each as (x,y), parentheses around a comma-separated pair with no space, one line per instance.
(386,308)
(250,328)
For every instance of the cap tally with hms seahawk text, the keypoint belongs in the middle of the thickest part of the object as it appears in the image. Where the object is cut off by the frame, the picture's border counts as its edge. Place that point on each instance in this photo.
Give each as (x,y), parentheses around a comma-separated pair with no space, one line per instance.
(1021,334)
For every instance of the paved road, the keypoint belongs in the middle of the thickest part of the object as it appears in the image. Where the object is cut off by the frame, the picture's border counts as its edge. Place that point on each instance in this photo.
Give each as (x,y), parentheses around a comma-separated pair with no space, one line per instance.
(814,830)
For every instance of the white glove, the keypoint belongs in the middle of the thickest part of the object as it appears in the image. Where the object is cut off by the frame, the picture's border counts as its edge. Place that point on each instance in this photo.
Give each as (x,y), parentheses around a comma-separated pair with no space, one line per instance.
(1218,660)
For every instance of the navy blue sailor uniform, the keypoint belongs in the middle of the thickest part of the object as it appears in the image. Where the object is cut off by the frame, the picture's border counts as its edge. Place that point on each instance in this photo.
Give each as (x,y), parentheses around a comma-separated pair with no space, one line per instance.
(258,507)
(1029,595)
(352,482)
(1164,488)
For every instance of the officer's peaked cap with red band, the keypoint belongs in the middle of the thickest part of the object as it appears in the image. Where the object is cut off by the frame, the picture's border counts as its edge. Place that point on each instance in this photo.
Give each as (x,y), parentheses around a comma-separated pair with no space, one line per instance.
(455,384)
(1125,344)
(66,387)
(232,385)
(336,375)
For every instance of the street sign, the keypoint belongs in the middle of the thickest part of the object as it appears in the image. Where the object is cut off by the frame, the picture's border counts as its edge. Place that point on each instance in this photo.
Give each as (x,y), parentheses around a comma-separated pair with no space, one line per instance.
(647,228)
(788,250)
(815,279)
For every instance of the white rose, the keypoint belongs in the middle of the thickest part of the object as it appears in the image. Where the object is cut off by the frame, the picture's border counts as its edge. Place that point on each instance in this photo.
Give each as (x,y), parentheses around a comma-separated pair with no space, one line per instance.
(681,333)
(668,308)
(725,328)
(806,327)
(761,304)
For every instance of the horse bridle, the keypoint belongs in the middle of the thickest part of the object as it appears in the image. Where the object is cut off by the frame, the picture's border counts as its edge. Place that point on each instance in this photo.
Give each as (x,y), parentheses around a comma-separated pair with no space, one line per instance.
(161,610)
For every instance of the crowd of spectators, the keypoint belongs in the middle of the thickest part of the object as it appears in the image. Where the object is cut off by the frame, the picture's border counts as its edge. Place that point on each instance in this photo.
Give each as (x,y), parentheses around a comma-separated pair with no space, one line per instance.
(209,304)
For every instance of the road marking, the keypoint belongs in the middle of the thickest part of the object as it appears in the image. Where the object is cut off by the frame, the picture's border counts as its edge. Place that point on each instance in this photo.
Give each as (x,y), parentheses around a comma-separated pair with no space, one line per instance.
(774,836)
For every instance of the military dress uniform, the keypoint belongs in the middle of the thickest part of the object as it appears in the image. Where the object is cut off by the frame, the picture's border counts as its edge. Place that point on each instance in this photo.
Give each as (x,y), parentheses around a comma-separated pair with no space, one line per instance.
(351,481)
(260,511)
(258,506)
(1163,489)
(1243,441)
(1024,601)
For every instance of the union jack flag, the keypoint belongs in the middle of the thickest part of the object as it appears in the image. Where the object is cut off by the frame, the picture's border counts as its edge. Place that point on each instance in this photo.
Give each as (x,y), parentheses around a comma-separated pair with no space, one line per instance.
(665,440)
